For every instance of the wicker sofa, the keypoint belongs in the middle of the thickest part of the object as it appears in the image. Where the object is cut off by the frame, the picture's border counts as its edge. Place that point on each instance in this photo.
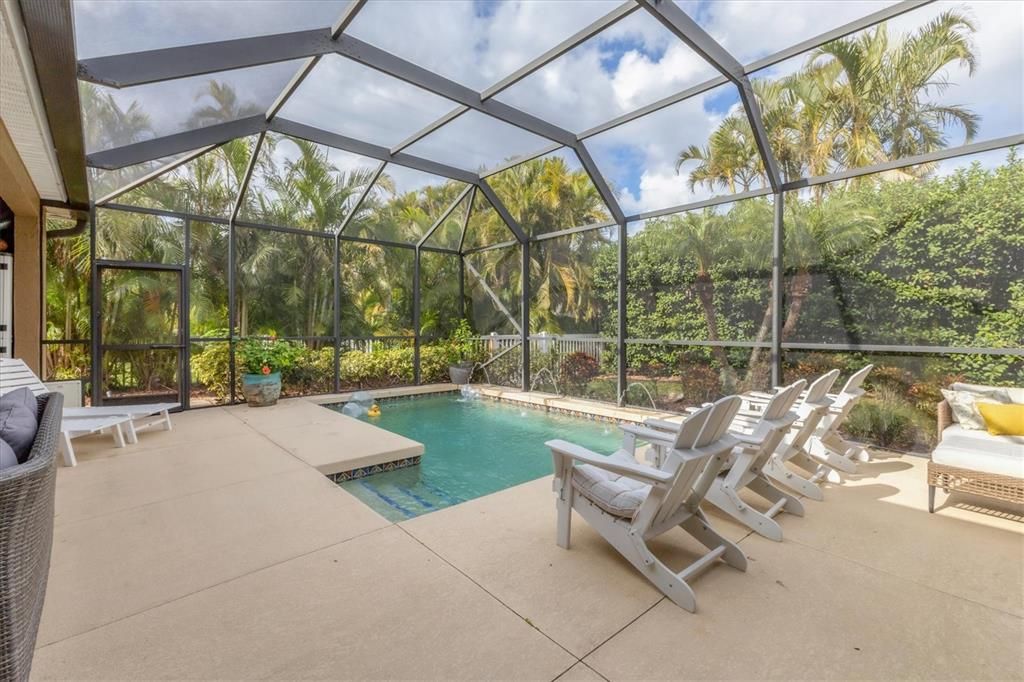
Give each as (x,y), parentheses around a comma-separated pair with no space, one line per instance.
(974,461)
(26,536)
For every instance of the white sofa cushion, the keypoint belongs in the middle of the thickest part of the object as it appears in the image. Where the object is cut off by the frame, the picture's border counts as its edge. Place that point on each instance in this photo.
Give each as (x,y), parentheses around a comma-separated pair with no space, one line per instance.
(1002,394)
(981,451)
(963,399)
(613,493)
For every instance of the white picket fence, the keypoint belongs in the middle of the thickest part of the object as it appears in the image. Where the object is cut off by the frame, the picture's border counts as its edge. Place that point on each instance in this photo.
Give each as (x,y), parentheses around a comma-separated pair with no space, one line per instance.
(493,344)
(562,344)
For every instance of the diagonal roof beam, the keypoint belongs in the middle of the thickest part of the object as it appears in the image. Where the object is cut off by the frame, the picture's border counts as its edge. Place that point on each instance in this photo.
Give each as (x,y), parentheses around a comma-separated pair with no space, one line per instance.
(346,18)
(503,213)
(373,151)
(177,62)
(151,66)
(243,186)
(169,145)
(411,73)
(690,32)
(362,197)
(153,175)
(573,41)
(444,216)
(881,15)
(465,220)
(860,24)
(600,183)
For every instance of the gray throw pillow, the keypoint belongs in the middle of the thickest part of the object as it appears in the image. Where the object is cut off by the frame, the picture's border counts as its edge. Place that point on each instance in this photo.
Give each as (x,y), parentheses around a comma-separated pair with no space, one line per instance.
(7,456)
(18,421)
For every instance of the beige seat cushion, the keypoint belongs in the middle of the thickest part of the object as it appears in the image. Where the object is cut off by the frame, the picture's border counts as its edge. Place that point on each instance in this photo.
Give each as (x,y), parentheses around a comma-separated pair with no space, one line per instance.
(981,451)
(615,494)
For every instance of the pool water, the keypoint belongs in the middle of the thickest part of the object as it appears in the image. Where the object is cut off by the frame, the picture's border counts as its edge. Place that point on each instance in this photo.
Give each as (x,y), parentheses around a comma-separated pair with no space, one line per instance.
(473,448)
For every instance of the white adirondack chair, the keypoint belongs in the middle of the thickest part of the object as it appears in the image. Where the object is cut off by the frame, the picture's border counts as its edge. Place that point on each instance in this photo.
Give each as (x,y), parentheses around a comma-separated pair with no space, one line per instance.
(826,445)
(629,503)
(759,435)
(813,406)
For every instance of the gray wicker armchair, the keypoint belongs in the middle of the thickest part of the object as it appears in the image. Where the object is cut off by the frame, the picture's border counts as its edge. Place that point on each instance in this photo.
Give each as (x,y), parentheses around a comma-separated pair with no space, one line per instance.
(26,536)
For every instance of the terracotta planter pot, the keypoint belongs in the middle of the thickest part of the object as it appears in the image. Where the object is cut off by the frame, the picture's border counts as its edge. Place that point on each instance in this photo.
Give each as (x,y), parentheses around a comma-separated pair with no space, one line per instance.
(261,390)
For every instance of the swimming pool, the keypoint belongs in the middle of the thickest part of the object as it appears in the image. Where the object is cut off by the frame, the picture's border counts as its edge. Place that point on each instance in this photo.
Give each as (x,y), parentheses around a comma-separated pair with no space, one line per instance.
(473,448)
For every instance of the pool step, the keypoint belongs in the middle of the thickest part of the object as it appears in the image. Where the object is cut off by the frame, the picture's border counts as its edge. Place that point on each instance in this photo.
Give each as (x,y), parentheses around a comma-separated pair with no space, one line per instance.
(411,500)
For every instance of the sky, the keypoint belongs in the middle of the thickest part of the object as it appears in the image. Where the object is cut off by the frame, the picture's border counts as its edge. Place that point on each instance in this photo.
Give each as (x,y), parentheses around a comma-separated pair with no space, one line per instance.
(631,64)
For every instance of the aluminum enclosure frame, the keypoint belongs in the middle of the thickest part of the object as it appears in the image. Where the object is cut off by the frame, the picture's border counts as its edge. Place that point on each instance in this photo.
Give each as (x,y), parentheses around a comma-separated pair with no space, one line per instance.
(159,65)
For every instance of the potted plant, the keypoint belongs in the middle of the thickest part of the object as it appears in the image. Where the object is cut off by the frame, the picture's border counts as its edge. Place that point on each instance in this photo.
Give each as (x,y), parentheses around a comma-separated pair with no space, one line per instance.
(460,347)
(262,360)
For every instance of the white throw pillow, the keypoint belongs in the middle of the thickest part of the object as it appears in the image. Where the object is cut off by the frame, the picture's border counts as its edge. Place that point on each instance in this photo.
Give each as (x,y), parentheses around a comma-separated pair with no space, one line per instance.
(965,410)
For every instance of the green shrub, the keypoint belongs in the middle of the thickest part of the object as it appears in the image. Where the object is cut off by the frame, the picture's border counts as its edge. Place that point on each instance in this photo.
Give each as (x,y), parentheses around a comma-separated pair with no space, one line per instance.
(434,361)
(311,371)
(382,367)
(888,420)
(578,369)
(211,368)
(263,356)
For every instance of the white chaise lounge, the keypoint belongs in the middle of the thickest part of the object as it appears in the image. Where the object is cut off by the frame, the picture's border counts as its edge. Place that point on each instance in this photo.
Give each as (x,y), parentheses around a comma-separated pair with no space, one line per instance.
(122,421)
(629,503)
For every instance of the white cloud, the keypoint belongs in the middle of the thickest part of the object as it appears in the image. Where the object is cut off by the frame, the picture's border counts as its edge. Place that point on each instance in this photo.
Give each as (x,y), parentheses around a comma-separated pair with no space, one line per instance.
(478,48)
(458,40)
(344,97)
(476,141)
(104,27)
(751,29)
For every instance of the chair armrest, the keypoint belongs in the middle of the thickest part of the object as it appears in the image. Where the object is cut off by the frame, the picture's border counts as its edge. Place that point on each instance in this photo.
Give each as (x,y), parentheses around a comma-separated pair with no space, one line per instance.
(635,470)
(649,435)
(662,424)
(747,438)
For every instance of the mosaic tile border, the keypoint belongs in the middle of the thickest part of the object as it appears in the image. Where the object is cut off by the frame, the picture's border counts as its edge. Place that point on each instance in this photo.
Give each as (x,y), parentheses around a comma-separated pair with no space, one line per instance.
(579,414)
(363,472)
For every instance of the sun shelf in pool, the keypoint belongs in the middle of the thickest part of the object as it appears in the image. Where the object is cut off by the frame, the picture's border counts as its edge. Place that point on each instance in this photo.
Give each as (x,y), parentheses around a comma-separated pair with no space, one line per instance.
(473,448)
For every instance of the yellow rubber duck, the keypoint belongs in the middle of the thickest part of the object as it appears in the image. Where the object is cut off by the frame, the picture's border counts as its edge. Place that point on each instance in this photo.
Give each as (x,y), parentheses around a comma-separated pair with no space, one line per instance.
(374,410)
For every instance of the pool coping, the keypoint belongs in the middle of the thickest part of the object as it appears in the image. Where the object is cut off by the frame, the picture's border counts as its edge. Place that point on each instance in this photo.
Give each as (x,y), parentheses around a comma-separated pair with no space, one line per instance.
(391,459)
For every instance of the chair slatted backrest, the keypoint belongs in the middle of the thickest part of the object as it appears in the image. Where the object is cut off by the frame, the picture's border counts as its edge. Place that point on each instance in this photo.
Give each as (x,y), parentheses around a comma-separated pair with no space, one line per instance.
(782,401)
(820,387)
(850,394)
(15,374)
(852,387)
(776,419)
(710,426)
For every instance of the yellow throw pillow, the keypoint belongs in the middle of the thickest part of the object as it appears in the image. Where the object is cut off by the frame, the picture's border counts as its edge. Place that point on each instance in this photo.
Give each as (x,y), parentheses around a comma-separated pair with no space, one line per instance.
(1002,420)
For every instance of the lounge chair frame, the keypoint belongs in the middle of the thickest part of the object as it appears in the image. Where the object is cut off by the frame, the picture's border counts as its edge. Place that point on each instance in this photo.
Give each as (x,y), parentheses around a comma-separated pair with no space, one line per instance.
(695,455)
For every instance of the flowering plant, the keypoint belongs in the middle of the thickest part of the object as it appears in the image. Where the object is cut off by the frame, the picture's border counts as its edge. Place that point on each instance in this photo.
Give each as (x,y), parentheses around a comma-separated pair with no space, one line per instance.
(265,356)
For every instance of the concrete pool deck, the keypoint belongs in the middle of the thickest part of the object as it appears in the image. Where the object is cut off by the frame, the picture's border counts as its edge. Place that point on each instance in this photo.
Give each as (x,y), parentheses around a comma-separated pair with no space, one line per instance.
(215,551)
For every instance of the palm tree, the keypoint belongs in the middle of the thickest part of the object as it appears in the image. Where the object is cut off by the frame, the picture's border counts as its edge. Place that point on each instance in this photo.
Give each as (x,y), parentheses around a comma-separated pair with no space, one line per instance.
(819,234)
(858,101)
(225,105)
(878,103)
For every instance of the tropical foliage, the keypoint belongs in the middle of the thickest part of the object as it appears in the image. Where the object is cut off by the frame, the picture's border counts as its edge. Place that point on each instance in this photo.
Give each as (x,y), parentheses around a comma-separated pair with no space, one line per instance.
(909,256)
